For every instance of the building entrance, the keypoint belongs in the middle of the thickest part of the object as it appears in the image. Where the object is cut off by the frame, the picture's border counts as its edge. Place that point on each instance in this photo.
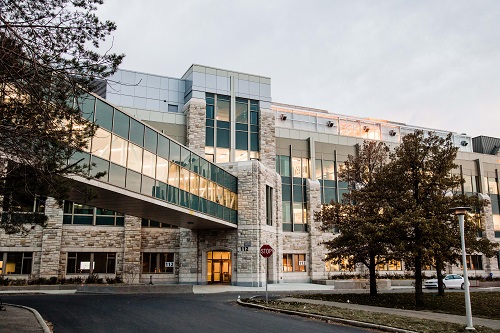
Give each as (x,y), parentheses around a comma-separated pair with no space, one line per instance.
(219,267)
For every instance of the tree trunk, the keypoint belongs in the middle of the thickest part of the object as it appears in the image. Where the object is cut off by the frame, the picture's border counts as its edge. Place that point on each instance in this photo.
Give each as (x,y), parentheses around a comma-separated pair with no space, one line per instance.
(373,276)
(419,296)
(439,272)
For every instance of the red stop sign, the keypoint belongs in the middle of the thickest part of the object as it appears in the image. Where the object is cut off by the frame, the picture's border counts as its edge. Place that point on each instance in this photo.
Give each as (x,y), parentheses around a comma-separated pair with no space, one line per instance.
(266,251)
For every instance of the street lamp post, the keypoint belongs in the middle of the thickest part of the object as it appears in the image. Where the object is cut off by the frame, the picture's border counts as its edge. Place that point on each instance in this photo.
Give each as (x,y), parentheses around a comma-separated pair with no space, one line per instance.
(460,212)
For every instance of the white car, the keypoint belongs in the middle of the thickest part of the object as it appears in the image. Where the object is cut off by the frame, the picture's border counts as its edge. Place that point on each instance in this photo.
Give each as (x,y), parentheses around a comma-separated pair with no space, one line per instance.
(449,281)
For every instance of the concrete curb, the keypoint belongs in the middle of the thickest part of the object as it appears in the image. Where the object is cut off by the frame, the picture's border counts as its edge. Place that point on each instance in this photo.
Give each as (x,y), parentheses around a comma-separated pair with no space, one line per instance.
(135,289)
(38,317)
(327,318)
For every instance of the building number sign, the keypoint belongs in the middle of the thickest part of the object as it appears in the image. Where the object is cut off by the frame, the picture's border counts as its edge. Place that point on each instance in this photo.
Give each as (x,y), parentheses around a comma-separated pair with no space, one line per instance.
(169,264)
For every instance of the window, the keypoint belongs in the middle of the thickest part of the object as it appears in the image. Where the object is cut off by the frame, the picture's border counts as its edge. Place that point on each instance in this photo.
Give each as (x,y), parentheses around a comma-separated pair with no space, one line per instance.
(91,263)
(474,262)
(75,213)
(343,266)
(16,262)
(157,262)
(154,224)
(392,265)
(173,108)
(269,205)
(294,262)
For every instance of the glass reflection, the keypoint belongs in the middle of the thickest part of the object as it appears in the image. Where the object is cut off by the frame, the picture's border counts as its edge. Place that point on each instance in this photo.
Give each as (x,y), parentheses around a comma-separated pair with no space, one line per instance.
(149,164)
(134,157)
(161,169)
(119,150)
(101,143)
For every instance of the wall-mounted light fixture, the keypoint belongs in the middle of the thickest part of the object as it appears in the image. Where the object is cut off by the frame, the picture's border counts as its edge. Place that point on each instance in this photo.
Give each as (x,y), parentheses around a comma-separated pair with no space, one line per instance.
(366,128)
(330,123)
(283,117)
(464,143)
(392,133)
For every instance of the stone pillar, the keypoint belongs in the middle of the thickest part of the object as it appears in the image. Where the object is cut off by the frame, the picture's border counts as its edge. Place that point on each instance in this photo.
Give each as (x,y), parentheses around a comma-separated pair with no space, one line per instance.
(189,267)
(267,138)
(132,250)
(50,261)
(195,111)
(490,264)
(316,250)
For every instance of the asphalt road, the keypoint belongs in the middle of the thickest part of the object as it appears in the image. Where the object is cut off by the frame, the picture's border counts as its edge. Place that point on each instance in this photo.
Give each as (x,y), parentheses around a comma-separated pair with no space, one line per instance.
(165,313)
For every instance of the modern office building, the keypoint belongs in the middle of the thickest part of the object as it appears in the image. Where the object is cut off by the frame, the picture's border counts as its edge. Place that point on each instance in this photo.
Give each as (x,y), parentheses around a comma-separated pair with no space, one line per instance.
(201,171)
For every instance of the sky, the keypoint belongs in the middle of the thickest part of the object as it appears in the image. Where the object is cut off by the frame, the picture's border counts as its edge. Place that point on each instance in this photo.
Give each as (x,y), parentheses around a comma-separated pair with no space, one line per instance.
(433,63)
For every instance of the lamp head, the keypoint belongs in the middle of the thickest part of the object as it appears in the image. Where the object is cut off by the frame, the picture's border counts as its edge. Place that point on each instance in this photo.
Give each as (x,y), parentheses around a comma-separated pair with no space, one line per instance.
(460,210)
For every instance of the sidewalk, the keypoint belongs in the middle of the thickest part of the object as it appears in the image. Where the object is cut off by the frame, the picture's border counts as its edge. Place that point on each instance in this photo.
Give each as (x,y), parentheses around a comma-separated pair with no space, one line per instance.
(17,319)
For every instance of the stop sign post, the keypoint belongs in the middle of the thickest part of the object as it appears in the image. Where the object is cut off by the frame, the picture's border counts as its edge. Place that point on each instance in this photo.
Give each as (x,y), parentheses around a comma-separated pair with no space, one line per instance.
(266,251)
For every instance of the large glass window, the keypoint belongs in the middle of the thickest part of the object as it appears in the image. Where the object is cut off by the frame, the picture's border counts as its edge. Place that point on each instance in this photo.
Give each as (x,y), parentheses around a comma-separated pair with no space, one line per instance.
(136,132)
(223,108)
(158,262)
(134,157)
(269,205)
(149,164)
(294,262)
(16,263)
(121,124)
(79,214)
(91,263)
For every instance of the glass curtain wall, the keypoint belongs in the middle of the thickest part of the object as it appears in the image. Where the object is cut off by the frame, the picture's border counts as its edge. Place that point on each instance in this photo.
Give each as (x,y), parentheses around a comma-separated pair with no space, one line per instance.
(294,171)
(218,129)
(128,154)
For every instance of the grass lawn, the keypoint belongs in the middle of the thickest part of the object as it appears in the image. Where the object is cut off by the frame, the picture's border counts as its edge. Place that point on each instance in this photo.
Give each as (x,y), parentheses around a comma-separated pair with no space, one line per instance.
(484,304)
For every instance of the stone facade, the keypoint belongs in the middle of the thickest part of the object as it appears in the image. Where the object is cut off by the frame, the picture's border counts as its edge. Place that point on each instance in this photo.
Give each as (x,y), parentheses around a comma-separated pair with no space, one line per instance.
(195,111)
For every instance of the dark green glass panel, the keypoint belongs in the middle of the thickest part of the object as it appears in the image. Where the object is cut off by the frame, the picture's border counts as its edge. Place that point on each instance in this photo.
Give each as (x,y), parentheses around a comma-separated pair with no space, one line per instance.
(242,140)
(297,194)
(173,195)
(254,128)
(104,115)
(185,158)
(150,140)
(133,181)
(148,186)
(254,141)
(254,105)
(329,183)
(175,153)
(161,191)
(163,147)
(223,124)
(68,207)
(223,139)
(286,192)
(102,211)
(121,124)
(104,220)
(287,227)
(286,180)
(297,181)
(254,118)
(210,123)
(117,175)
(343,185)
(183,198)
(220,212)
(86,104)
(300,227)
(195,163)
(144,223)
(194,202)
(136,132)
(212,208)
(100,165)
(120,220)
(209,137)
(83,209)
(234,216)
(330,194)
(204,168)
(227,213)
(214,175)
(78,219)
(210,111)
(494,204)
(232,184)
(83,160)
(203,205)
(242,127)
(223,98)
(67,219)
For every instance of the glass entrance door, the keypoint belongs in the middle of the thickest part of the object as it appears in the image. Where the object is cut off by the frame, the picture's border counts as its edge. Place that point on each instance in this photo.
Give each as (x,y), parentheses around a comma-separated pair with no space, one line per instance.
(219,267)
